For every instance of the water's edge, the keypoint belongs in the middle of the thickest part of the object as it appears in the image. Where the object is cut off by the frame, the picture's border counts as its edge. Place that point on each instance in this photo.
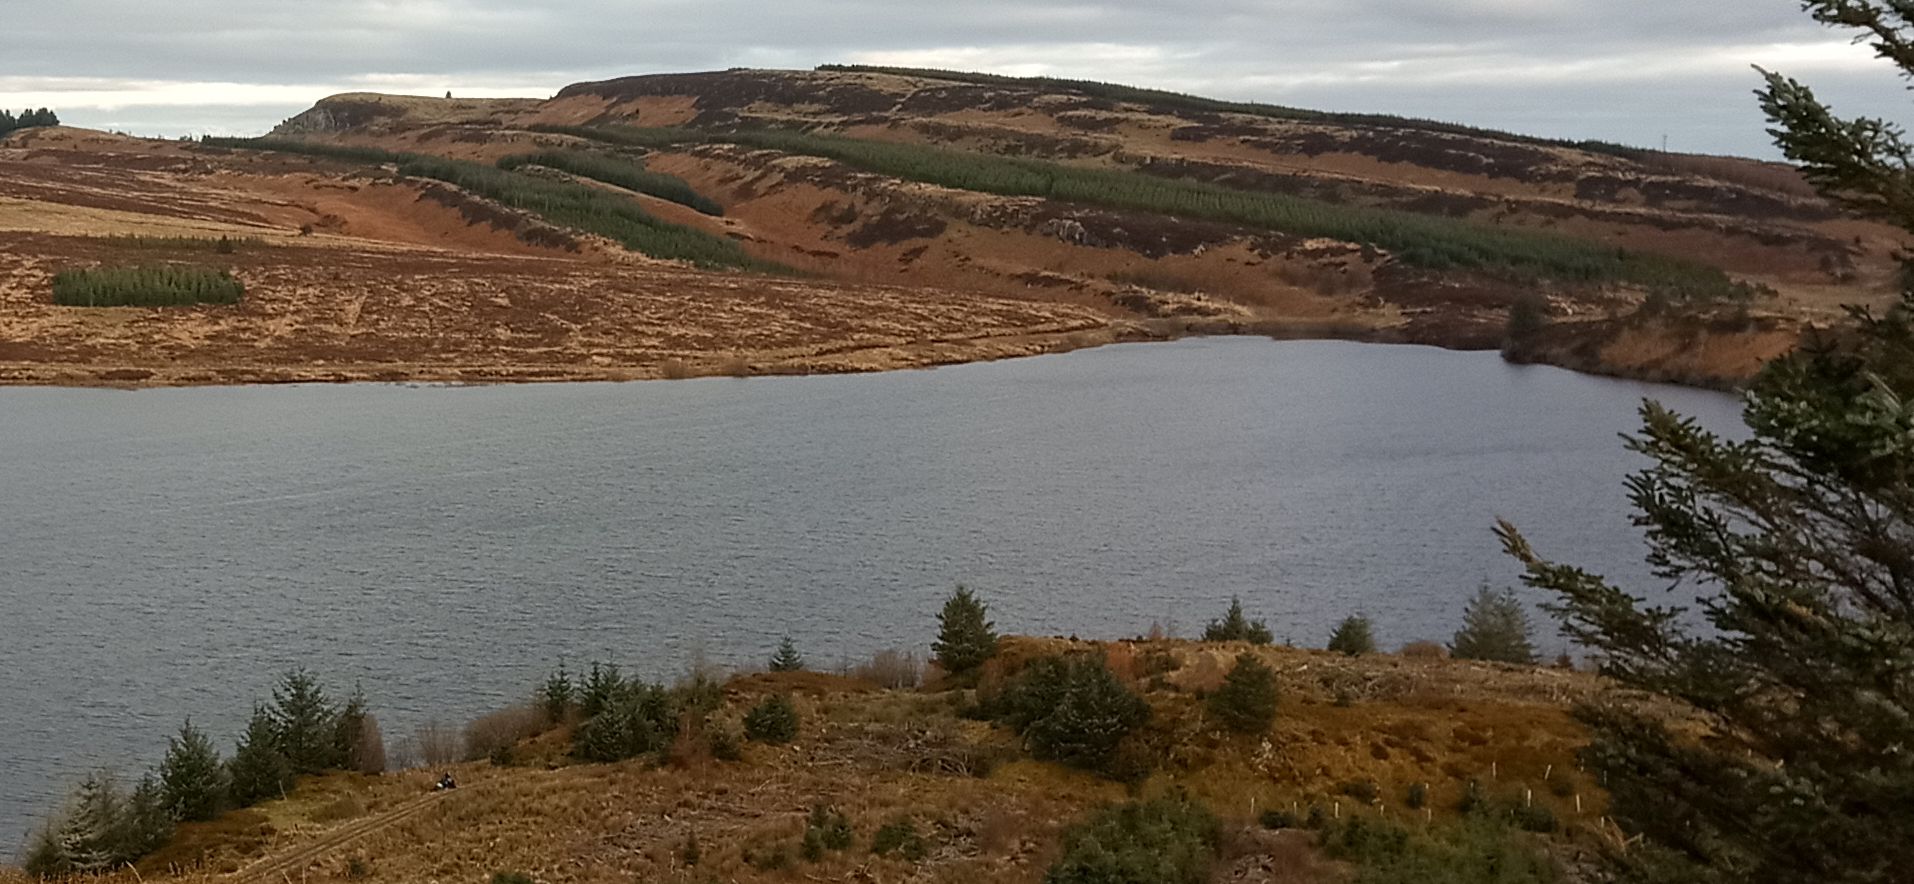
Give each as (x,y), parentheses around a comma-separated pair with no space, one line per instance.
(923,354)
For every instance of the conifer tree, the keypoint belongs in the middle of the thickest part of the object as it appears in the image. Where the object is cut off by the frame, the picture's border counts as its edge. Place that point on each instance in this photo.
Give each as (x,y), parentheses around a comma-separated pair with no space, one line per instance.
(1797,540)
(636,718)
(1234,627)
(773,720)
(1353,636)
(1246,702)
(258,771)
(557,695)
(601,687)
(146,824)
(1072,709)
(90,836)
(787,658)
(965,635)
(1494,627)
(192,776)
(357,742)
(306,723)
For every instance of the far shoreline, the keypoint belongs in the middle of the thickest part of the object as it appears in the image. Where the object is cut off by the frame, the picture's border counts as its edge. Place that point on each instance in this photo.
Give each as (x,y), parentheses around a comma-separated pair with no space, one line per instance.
(872,359)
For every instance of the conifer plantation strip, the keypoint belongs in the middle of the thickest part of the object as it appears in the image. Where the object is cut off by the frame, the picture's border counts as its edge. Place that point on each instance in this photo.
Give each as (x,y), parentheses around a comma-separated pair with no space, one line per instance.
(563,203)
(166,285)
(619,171)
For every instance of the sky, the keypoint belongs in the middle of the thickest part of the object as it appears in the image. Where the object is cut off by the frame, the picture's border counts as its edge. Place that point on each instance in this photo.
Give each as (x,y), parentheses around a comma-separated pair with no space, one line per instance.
(1634,71)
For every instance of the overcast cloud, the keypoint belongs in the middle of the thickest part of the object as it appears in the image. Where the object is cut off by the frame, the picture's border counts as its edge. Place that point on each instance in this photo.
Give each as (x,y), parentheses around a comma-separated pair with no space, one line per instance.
(1624,70)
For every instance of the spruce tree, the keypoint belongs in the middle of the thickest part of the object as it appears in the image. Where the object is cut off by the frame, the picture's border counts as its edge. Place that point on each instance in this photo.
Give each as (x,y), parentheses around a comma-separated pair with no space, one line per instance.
(601,687)
(773,720)
(1246,703)
(90,835)
(636,718)
(357,743)
(306,724)
(557,695)
(1072,709)
(787,658)
(257,771)
(965,635)
(1797,540)
(192,776)
(146,824)
(1234,627)
(1494,627)
(1353,636)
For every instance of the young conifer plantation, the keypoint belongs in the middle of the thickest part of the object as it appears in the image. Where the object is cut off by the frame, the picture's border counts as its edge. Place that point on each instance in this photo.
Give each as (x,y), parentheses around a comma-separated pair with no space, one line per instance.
(165,285)
(619,171)
(563,203)
(1427,241)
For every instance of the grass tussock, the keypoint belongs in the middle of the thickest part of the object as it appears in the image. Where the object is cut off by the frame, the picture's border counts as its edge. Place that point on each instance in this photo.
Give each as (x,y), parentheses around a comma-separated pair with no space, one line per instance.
(563,203)
(619,171)
(1430,242)
(168,285)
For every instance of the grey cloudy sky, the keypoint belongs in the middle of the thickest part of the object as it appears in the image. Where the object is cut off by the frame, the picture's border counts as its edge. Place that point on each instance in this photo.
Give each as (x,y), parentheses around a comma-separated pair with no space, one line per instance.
(1624,70)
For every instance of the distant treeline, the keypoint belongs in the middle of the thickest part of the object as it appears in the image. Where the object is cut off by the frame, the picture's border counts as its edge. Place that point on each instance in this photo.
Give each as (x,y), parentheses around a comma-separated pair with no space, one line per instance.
(27,119)
(563,203)
(1432,242)
(1161,98)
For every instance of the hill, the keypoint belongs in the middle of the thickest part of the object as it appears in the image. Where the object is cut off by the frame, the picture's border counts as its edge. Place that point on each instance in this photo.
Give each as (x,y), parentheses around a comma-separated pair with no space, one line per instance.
(889,217)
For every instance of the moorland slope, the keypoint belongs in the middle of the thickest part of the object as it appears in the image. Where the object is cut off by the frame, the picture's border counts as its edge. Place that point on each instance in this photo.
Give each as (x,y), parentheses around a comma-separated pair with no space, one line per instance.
(753,221)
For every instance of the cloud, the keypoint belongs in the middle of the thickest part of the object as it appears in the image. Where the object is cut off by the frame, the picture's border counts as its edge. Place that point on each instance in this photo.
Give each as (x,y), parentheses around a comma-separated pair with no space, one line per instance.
(1625,69)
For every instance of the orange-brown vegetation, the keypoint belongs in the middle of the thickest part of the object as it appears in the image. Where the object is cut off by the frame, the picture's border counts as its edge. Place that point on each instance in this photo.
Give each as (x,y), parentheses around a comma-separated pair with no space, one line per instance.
(402,278)
(1381,722)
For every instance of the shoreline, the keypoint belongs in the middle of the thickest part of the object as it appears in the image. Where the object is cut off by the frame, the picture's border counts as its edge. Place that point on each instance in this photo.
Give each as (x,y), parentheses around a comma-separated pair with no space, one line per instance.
(860,360)
(869,359)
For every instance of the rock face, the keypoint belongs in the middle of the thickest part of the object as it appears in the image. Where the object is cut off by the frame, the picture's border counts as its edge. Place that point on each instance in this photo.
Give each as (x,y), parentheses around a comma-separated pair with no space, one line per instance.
(367,112)
(339,113)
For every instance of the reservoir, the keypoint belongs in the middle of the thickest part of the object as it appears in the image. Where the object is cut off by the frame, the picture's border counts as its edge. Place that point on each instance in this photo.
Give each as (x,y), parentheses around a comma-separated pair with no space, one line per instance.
(166,553)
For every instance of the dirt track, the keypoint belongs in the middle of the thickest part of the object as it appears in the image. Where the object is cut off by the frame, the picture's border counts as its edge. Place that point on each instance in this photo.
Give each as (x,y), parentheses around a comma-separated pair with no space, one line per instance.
(269,868)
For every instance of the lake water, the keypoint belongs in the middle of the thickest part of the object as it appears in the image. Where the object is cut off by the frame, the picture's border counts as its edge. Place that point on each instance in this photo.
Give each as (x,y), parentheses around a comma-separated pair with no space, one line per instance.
(164,553)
